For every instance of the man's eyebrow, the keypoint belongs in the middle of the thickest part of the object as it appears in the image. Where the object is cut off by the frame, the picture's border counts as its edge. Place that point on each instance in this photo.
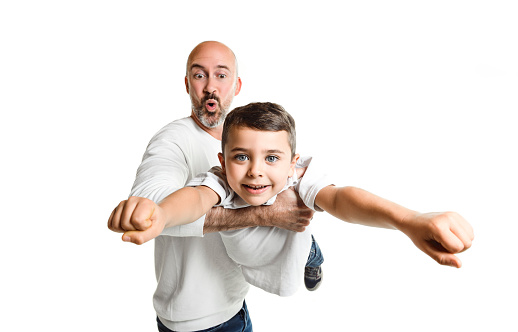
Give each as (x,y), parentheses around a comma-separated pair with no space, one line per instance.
(224,67)
(196,65)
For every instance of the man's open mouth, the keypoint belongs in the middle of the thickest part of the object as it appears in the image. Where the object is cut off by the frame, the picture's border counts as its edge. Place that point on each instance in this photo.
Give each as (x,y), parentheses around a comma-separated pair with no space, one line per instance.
(211,105)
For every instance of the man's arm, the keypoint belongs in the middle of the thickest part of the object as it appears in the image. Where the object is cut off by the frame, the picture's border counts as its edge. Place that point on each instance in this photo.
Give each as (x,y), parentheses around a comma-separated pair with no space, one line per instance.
(439,235)
(288,212)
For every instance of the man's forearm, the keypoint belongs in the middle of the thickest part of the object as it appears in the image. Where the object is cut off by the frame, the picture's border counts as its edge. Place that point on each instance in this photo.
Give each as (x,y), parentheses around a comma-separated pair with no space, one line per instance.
(288,212)
(219,219)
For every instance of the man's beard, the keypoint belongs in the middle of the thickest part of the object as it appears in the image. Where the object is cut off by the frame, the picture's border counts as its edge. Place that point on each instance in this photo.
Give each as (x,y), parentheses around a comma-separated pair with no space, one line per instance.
(210,119)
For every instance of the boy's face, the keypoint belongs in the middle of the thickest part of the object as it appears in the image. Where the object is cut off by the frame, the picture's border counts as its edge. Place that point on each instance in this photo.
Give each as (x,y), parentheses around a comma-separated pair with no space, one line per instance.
(257,163)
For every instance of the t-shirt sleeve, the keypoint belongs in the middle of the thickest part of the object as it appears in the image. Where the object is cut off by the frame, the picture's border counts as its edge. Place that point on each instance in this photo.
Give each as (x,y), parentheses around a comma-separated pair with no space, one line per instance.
(215,180)
(312,182)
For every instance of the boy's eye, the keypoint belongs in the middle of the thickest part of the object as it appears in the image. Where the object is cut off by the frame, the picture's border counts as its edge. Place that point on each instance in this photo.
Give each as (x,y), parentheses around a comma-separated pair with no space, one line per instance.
(241,157)
(272,159)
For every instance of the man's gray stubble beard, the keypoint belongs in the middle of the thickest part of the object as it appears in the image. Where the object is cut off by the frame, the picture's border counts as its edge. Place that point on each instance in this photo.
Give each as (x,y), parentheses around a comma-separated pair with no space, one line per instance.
(200,111)
(200,114)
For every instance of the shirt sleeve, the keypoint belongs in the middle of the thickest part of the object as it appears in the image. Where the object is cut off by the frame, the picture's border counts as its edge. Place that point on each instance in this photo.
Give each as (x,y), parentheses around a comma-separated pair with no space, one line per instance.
(215,180)
(312,182)
(163,171)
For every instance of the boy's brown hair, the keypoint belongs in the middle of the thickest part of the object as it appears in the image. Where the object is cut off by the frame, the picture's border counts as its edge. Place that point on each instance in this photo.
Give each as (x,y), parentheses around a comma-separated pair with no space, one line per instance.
(263,117)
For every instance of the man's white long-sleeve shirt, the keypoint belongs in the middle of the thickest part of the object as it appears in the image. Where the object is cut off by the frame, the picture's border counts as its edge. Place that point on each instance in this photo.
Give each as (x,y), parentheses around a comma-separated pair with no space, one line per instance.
(199,285)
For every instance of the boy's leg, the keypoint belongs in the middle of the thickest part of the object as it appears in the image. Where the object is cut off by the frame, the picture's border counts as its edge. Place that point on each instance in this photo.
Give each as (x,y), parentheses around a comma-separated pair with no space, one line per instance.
(315,258)
(313,271)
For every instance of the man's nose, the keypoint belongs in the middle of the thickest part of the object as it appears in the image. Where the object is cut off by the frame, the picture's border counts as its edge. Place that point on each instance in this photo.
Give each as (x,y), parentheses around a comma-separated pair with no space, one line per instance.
(210,87)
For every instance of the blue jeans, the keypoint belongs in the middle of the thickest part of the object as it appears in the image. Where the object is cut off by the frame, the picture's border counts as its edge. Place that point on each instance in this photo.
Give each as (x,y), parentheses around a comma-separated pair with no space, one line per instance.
(315,258)
(239,323)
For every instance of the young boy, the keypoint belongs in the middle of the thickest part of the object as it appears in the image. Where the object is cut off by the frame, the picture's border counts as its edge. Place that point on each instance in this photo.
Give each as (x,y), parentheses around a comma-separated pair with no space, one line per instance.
(258,161)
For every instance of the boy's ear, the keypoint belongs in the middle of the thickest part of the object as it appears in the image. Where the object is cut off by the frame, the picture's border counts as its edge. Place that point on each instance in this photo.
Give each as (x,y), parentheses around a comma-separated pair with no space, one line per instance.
(222,161)
(293,163)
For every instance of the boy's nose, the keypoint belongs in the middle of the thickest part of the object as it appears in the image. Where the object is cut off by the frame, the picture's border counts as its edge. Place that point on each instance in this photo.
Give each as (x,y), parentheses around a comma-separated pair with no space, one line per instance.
(255,170)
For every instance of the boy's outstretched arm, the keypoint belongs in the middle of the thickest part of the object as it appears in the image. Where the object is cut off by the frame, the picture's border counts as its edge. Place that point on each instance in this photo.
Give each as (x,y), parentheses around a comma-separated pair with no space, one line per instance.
(142,220)
(439,235)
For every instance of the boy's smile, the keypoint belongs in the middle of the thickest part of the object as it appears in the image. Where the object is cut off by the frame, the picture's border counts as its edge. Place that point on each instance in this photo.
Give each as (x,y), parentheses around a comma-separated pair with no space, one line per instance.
(257,163)
(255,189)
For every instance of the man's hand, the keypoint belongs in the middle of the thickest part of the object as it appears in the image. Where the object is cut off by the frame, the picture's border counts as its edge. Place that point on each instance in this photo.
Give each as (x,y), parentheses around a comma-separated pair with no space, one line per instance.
(140,219)
(439,235)
(289,212)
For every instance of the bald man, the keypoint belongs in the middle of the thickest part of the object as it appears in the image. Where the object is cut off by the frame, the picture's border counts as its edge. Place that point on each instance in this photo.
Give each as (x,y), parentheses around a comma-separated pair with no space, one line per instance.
(199,286)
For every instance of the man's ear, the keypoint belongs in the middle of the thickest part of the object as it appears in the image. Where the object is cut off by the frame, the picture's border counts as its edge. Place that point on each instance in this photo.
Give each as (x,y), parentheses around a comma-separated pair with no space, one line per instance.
(186,84)
(238,86)
(293,164)
(222,162)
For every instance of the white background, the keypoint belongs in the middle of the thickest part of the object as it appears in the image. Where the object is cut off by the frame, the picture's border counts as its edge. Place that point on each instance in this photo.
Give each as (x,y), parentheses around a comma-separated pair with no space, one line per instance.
(411,100)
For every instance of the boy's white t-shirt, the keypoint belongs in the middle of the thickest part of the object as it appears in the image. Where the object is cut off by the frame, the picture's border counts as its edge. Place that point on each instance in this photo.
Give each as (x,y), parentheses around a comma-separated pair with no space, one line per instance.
(271,258)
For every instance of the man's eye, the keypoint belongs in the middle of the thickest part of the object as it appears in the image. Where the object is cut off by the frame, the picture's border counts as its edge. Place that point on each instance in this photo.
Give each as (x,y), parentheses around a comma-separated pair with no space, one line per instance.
(222,75)
(241,157)
(198,76)
(272,159)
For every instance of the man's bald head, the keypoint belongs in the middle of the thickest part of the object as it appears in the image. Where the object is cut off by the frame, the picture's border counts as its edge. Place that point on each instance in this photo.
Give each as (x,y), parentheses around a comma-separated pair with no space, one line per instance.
(211,49)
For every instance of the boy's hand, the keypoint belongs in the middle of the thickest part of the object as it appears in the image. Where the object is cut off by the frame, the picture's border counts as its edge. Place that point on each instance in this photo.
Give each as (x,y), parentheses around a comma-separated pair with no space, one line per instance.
(140,219)
(439,235)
